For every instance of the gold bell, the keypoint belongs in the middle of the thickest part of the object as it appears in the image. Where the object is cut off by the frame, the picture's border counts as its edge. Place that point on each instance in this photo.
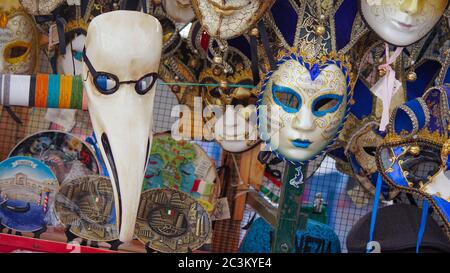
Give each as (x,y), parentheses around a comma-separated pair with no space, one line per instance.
(218,60)
(176,88)
(3,20)
(411,76)
(320,30)
(254,32)
(223,84)
(217,71)
(382,72)
(414,150)
(194,63)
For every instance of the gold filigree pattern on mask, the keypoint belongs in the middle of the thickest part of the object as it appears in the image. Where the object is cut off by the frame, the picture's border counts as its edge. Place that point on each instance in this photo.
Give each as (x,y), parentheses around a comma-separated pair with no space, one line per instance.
(40,7)
(18,42)
(309,129)
(230,19)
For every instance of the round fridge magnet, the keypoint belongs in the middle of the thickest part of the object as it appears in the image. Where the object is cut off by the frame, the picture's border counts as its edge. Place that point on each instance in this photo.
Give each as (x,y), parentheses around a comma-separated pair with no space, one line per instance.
(85,206)
(171,221)
(62,152)
(27,190)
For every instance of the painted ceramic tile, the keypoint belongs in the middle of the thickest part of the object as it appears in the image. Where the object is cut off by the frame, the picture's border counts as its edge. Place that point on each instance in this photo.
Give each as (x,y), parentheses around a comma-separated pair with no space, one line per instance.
(27,190)
(58,150)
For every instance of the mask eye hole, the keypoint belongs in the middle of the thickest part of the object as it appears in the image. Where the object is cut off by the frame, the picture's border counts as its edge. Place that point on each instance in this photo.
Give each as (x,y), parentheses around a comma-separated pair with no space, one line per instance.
(326,104)
(146,83)
(215,92)
(106,83)
(16,52)
(287,98)
(370,150)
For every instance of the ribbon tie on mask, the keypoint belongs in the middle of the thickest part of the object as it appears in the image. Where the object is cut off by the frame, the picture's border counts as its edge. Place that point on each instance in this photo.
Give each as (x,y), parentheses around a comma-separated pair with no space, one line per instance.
(388,85)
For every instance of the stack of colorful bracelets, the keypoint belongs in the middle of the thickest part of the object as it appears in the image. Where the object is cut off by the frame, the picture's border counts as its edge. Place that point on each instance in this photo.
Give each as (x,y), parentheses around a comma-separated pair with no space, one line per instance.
(43,91)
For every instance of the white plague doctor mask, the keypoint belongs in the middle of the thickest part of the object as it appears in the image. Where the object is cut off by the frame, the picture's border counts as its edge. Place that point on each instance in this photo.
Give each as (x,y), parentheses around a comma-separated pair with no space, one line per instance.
(121,58)
(402,22)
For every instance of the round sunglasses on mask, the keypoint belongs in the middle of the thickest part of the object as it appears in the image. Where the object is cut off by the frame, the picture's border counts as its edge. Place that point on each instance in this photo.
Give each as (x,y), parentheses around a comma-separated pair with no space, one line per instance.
(107,83)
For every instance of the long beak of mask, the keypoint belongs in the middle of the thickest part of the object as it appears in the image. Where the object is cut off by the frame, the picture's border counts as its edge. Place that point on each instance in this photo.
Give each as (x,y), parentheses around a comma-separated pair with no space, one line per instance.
(128,45)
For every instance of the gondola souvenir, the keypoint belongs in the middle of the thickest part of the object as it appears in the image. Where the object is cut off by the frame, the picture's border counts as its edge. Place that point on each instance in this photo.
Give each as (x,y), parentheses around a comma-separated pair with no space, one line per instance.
(27,190)
(170,221)
(120,73)
(85,206)
(60,151)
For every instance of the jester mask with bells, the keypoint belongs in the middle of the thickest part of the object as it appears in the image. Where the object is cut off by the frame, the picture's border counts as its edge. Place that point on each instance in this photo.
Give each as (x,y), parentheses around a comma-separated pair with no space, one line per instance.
(361,151)
(18,39)
(302,105)
(70,61)
(402,22)
(121,58)
(228,19)
(235,129)
(414,155)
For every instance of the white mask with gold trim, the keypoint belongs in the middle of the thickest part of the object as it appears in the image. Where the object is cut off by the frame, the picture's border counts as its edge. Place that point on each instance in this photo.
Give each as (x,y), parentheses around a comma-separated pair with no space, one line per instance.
(18,41)
(402,22)
(236,130)
(302,106)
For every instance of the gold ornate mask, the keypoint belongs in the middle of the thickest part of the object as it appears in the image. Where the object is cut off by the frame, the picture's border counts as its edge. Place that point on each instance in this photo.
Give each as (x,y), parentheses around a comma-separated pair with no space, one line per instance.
(18,41)
(40,7)
(361,151)
(228,19)
(238,73)
(224,95)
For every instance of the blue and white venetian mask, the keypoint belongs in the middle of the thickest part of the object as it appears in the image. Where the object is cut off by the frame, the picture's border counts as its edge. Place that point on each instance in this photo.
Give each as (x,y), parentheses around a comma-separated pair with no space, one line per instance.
(302,106)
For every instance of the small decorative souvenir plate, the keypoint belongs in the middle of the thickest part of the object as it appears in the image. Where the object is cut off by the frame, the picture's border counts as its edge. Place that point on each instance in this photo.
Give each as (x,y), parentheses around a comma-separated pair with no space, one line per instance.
(27,190)
(180,165)
(58,150)
(86,205)
(170,221)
